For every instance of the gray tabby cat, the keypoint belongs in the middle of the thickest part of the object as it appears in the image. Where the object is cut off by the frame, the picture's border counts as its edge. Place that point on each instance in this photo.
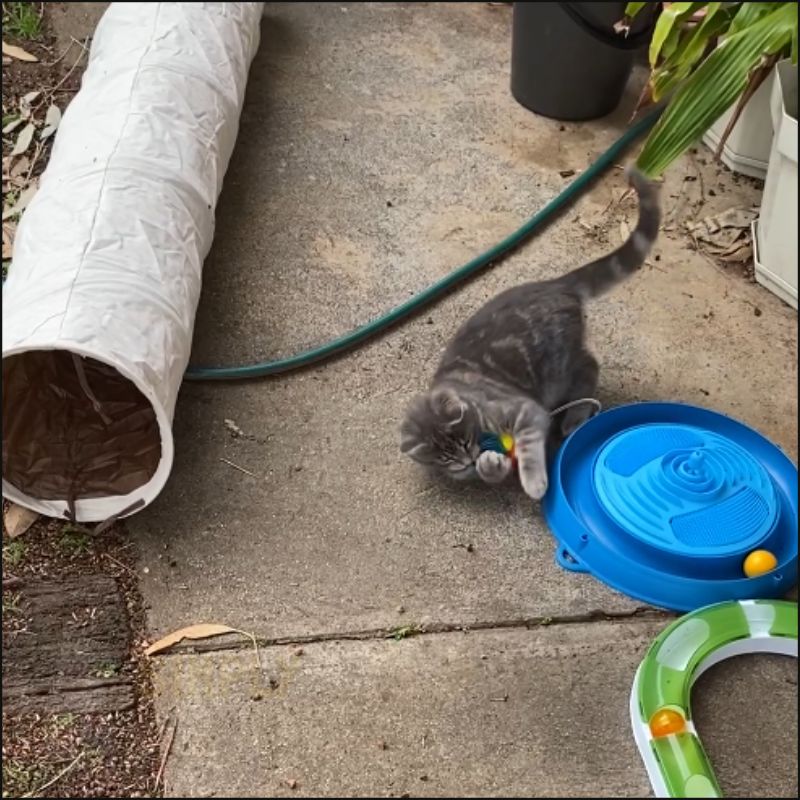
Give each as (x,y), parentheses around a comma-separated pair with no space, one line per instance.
(521,356)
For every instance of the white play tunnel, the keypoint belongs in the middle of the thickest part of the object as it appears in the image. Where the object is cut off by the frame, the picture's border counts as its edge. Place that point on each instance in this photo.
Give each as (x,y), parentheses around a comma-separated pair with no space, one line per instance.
(100,302)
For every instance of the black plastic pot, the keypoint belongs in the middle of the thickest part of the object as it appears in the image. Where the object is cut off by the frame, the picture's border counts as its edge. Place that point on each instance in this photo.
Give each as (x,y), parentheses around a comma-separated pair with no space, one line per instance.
(566,60)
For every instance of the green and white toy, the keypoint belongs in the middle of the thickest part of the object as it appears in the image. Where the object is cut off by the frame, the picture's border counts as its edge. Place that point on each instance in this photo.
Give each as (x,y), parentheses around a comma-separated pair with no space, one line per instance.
(676,762)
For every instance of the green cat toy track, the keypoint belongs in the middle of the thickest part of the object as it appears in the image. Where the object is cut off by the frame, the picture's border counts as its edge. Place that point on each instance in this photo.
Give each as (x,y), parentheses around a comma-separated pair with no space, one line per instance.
(660,699)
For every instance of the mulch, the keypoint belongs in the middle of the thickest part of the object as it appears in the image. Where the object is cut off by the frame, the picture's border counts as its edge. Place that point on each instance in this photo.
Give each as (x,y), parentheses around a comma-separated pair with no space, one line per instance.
(56,581)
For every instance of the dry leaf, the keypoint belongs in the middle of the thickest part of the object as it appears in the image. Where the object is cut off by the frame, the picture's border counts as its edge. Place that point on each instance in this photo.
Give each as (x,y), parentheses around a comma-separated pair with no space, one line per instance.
(17,52)
(736,218)
(25,197)
(624,231)
(17,519)
(8,240)
(51,122)
(21,167)
(201,631)
(26,104)
(13,125)
(23,140)
(743,254)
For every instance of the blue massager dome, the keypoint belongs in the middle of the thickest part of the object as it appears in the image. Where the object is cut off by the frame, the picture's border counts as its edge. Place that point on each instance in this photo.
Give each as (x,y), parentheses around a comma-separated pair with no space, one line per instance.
(664,501)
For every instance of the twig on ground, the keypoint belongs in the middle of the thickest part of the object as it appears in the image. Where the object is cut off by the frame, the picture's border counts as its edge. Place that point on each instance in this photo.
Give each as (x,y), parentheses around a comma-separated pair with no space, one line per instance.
(165,754)
(61,57)
(236,466)
(119,563)
(82,44)
(48,93)
(164,724)
(57,777)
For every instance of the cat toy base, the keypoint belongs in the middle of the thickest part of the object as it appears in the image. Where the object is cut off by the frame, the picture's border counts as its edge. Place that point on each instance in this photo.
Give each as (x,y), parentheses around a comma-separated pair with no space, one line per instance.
(675,505)
(660,709)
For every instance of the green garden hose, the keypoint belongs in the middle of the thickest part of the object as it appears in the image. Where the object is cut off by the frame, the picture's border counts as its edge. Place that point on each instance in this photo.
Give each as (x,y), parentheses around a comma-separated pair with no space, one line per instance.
(370,329)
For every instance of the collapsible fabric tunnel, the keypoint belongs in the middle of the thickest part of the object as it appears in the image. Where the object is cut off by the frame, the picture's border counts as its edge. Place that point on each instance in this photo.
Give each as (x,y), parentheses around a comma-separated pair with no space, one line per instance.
(100,302)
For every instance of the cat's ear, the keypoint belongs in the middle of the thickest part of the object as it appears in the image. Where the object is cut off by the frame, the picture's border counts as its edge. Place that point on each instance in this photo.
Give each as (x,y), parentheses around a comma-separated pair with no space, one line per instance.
(448,406)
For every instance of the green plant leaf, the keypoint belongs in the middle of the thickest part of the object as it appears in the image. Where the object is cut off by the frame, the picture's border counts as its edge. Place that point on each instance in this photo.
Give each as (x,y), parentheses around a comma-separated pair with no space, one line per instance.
(671,42)
(680,61)
(697,41)
(668,20)
(749,13)
(632,9)
(715,86)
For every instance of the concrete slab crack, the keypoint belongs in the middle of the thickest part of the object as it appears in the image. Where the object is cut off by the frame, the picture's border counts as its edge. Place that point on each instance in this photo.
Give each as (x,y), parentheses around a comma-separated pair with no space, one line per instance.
(420,629)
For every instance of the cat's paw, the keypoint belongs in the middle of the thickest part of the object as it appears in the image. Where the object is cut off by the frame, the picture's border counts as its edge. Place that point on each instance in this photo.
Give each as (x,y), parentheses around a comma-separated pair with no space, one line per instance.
(534,483)
(493,467)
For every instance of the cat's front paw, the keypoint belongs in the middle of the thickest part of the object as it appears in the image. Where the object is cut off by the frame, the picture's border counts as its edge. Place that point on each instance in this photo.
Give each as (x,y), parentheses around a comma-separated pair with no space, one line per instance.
(534,482)
(493,467)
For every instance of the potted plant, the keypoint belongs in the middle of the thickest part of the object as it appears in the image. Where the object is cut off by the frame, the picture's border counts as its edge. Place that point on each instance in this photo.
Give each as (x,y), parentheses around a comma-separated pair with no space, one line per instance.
(567,59)
(706,58)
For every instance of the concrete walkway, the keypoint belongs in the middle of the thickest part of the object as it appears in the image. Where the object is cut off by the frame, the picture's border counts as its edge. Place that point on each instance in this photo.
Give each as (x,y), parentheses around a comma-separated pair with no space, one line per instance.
(380,148)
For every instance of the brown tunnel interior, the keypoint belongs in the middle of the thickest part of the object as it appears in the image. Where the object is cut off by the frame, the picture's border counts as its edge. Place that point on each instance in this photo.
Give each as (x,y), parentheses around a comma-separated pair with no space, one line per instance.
(75,428)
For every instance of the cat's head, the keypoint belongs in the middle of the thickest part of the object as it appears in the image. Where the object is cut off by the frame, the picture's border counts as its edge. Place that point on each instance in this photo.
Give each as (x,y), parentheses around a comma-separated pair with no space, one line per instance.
(441,430)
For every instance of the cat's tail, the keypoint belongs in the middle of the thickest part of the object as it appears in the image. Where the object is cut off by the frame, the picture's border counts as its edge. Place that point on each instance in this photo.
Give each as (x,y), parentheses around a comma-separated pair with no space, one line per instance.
(597,277)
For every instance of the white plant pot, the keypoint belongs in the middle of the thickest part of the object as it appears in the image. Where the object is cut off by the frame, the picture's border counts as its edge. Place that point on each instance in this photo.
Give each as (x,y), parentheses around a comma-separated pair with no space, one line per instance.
(747,148)
(775,230)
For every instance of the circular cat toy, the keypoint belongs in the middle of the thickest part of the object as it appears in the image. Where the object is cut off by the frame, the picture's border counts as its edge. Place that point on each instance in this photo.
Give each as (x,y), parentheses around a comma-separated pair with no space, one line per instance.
(675,505)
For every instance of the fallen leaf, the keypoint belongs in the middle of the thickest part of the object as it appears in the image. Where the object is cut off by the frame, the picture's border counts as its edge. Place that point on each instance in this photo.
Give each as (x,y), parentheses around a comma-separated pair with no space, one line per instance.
(18,53)
(204,630)
(17,519)
(12,124)
(25,197)
(51,122)
(732,219)
(21,167)
(624,231)
(23,140)
(741,255)
(26,104)
(9,230)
